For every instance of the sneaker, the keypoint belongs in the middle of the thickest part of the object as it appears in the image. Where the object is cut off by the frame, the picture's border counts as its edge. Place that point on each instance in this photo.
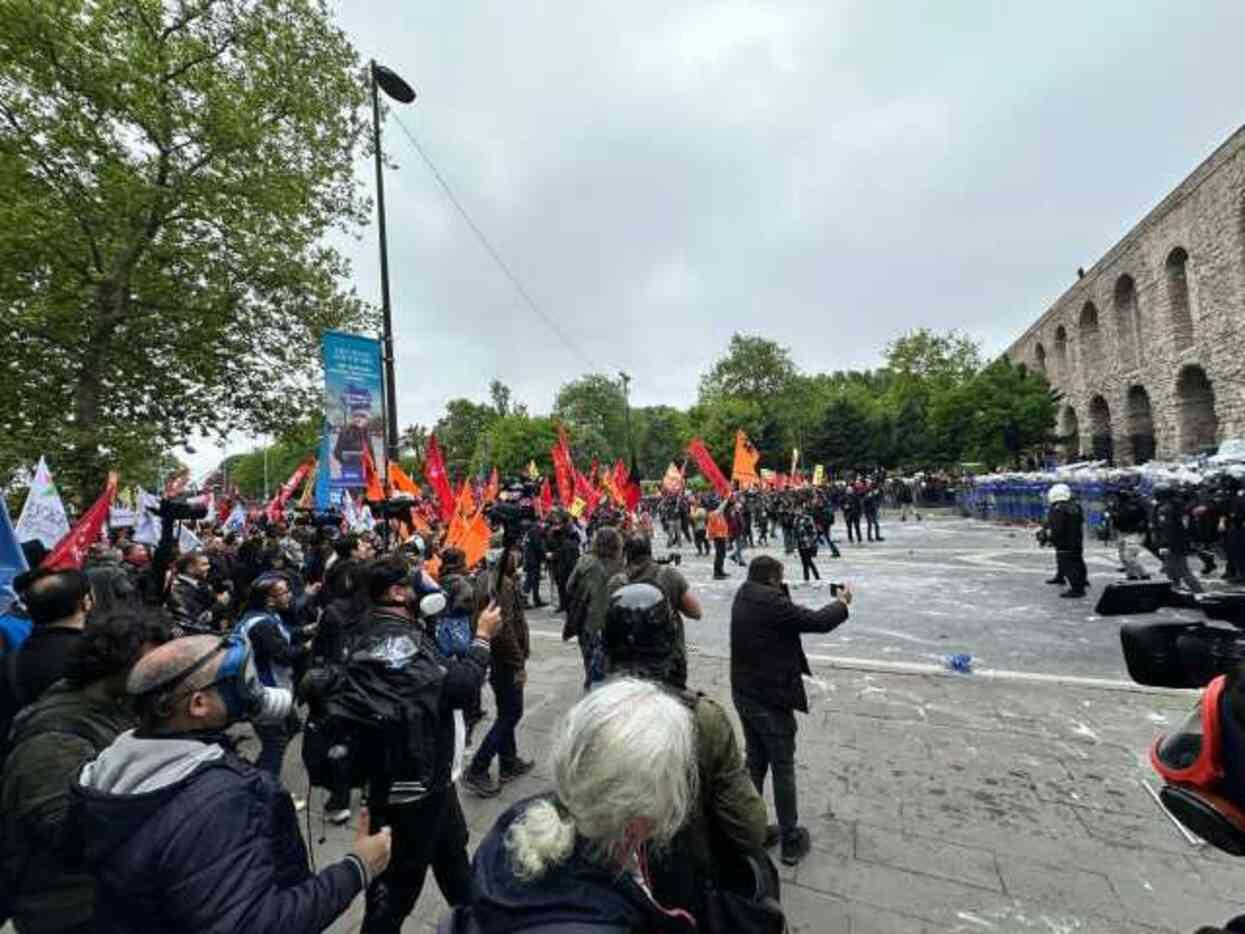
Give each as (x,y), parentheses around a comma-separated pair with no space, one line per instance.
(796,847)
(481,783)
(338,817)
(516,769)
(772,836)
(300,804)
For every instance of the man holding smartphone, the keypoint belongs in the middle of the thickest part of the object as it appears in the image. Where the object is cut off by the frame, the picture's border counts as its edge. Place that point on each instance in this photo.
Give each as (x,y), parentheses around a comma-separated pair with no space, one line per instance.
(767,687)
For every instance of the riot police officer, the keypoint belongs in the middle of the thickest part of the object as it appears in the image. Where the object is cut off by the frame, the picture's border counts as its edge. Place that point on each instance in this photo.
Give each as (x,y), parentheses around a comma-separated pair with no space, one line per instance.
(1065,528)
(1171,537)
(1126,518)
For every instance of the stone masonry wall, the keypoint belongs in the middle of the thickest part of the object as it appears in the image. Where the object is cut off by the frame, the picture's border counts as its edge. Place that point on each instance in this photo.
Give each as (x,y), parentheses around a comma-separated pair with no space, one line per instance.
(1165,366)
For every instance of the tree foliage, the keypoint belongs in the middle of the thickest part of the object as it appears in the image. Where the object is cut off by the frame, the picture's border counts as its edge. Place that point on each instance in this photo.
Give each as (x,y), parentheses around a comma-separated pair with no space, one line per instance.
(170,171)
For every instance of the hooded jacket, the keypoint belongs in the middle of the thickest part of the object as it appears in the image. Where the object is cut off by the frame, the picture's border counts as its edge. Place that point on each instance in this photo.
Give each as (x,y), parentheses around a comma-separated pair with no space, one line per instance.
(52,739)
(575,897)
(767,656)
(182,836)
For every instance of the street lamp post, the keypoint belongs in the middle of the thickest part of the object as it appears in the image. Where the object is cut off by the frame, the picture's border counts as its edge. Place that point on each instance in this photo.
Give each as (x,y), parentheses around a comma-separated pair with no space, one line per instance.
(397,89)
(626,384)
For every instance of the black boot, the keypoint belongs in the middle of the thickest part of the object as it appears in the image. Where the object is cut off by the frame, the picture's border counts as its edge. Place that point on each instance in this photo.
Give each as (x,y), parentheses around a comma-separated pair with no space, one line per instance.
(1057,580)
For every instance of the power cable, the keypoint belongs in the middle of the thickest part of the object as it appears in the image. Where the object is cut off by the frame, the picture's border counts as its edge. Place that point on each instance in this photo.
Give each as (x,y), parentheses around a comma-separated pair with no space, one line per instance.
(492,251)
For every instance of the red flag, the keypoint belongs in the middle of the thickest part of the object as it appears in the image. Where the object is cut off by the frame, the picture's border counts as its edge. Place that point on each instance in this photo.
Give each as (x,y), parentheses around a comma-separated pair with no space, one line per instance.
(632,489)
(563,468)
(585,491)
(70,551)
(705,462)
(275,510)
(434,473)
(595,474)
(546,498)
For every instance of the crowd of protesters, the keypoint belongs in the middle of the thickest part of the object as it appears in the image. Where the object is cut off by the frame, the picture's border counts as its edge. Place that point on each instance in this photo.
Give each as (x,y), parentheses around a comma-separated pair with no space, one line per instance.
(149,699)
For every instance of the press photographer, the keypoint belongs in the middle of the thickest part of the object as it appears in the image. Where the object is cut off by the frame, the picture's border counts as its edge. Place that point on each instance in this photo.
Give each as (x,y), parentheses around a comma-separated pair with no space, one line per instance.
(767,669)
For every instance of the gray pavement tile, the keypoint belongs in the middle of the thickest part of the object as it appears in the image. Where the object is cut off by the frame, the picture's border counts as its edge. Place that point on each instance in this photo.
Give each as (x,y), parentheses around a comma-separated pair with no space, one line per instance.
(1059,886)
(1167,890)
(915,894)
(937,858)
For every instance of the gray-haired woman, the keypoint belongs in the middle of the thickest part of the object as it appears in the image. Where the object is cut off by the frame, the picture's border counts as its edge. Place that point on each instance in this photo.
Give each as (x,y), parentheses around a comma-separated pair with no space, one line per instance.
(624,768)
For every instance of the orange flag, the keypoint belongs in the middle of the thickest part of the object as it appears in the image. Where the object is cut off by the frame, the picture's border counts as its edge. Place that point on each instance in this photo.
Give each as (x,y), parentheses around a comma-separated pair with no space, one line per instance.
(466,504)
(494,486)
(746,457)
(400,481)
(476,540)
(375,492)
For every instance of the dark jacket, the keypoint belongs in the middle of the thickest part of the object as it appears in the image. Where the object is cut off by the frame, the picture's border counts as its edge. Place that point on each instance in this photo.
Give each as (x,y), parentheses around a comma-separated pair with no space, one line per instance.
(534,549)
(575,897)
(588,593)
(53,739)
(193,607)
(410,665)
(182,836)
(512,642)
(41,661)
(767,656)
(1067,527)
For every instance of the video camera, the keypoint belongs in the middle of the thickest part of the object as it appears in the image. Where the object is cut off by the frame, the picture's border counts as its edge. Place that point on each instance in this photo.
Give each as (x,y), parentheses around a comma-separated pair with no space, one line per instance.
(180,509)
(515,504)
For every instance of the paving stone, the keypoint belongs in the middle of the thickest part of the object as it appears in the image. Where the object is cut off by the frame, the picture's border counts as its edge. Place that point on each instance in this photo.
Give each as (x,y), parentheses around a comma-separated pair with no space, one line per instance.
(936,858)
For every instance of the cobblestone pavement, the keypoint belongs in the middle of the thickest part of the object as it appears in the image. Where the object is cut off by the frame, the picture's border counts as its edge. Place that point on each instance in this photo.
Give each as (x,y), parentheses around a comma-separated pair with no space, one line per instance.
(946,803)
(1008,800)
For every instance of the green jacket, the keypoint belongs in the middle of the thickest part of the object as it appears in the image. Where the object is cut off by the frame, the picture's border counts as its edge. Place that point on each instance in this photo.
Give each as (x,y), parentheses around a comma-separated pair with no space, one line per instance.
(732,812)
(588,588)
(54,738)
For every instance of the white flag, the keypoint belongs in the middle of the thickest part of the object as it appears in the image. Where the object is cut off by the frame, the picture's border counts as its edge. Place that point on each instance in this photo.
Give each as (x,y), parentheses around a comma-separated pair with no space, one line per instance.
(188,541)
(147,525)
(237,519)
(43,516)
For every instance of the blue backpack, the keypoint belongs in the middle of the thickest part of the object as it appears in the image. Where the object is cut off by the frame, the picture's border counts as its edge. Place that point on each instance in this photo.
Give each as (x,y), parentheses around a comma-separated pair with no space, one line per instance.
(454,635)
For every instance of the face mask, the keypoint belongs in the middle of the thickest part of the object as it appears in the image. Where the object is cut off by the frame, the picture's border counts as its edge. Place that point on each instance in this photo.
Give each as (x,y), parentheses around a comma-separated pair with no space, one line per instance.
(238,684)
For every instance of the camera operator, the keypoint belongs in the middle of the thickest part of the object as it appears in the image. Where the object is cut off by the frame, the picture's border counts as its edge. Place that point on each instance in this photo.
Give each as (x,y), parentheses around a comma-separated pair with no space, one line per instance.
(1065,530)
(193,605)
(767,665)
(1171,537)
(422,807)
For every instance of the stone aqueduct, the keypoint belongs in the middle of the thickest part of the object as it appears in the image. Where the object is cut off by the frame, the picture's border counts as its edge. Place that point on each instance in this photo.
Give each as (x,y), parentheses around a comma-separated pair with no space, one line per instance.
(1148,346)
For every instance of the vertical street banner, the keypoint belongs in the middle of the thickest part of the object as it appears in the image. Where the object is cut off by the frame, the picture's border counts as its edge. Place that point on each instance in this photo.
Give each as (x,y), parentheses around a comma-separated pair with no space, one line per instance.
(43,515)
(353,407)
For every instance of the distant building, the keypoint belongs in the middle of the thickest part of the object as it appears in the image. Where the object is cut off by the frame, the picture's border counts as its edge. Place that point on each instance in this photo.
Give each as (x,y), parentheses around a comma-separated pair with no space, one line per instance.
(1148,346)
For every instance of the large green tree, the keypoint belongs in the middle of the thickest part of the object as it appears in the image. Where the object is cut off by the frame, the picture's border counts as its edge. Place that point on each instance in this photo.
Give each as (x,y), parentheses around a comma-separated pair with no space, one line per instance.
(460,430)
(593,408)
(170,171)
(753,368)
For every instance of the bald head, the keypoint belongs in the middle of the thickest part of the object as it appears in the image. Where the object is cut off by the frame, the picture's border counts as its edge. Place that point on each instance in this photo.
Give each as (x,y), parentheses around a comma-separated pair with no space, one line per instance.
(172,658)
(166,709)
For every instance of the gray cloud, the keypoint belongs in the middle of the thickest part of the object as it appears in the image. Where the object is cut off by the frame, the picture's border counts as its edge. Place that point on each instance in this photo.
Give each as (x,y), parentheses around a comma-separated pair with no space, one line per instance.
(660,175)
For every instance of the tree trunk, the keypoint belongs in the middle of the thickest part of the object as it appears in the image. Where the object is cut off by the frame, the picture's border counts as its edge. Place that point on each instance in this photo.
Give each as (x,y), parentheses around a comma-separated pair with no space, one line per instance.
(87,467)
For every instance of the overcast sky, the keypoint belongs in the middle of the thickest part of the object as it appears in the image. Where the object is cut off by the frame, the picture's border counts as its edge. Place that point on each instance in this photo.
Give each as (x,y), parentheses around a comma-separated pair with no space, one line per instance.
(662,174)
